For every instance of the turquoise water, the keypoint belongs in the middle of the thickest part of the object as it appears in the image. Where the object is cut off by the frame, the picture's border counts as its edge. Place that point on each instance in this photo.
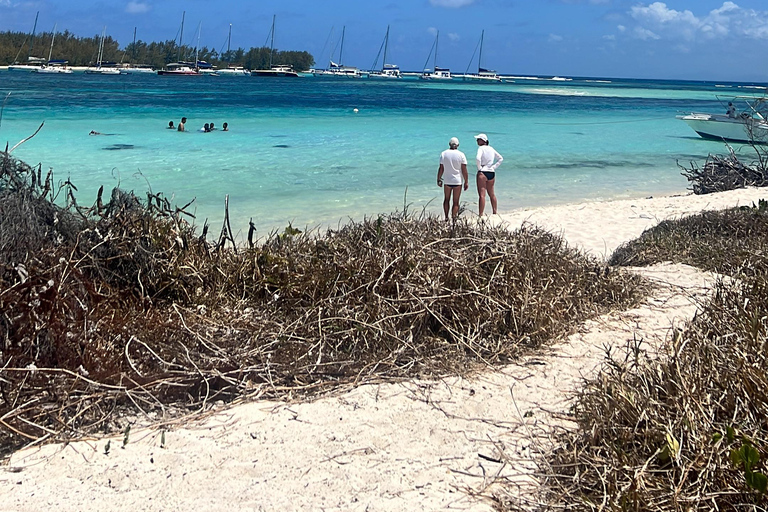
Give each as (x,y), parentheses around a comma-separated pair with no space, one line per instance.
(298,153)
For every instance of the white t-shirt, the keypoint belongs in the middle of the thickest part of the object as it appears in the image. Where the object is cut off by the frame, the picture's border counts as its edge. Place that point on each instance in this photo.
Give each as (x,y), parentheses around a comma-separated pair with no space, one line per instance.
(485,157)
(451,160)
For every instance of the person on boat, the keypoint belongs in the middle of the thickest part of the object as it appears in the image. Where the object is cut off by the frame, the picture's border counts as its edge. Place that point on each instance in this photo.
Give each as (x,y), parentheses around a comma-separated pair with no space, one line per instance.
(453,174)
(225,127)
(488,160)
(182,123)
(731,111)
(170,125)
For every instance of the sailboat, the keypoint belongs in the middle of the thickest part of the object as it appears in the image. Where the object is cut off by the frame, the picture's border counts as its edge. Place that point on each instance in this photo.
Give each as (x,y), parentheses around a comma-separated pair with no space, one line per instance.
(181,68)
(54,66)
(387,70)
(33,63)
(98,69)
(232,70)
(483,74)
(437,73)
(339,70)
(133,68)
(274,70)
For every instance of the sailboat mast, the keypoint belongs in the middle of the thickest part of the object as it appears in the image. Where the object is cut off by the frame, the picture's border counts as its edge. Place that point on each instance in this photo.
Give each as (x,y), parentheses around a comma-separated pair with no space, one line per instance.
(386,43)
(272,42)
(53,38)
(101,46)
(32,41)
(437,37)
(134,45)
(197,45)
(181,36)
(341,52)
(480,57)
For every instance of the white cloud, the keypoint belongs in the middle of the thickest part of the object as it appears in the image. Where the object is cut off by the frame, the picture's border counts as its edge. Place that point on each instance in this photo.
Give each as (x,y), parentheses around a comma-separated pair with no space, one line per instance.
(622,28)
(645,34)
(451,3)
(729,20)
(609,37)
(432,31)
(554,38)
(453,36)
(137,7)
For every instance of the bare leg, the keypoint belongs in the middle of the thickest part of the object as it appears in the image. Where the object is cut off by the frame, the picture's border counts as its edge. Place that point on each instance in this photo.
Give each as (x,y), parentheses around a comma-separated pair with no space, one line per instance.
(492,194)
(456,196)
(481,185)
(446,200)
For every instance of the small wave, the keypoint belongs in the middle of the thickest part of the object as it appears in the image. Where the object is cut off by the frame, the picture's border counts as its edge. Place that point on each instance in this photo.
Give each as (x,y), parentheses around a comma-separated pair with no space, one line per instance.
(599,81)
(559,92)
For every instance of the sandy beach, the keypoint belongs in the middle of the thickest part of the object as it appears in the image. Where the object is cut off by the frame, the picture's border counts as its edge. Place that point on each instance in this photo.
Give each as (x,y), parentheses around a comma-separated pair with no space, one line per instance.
(418,445)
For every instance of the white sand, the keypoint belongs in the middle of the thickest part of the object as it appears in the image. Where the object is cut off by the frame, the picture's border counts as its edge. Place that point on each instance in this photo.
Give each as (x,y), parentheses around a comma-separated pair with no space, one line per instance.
(412,446)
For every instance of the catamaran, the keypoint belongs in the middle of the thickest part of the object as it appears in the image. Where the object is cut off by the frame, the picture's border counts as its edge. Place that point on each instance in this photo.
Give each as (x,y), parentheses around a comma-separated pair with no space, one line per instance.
(54,66)
(483,74)
(339,70)
(387,70)
(231,70)
(437,73)
(280,70)
(33,63)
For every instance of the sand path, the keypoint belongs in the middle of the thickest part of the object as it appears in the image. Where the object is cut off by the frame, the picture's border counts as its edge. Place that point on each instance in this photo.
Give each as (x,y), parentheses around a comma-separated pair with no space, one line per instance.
(418,445)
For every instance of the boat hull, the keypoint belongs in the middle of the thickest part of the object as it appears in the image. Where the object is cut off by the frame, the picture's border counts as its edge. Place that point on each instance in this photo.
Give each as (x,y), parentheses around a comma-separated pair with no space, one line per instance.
(274,73)
(719,127)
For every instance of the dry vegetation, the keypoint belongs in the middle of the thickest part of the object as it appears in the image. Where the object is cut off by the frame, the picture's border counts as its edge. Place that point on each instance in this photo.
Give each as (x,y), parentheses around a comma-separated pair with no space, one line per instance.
(687,429)
(123,307)
(721,173)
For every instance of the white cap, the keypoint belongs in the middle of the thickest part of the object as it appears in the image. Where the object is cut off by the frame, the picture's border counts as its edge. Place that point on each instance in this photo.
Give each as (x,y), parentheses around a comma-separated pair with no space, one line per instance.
(482,137)
(453,142)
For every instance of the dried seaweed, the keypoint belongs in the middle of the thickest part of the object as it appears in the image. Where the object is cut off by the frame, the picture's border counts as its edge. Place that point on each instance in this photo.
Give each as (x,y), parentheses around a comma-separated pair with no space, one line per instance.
(686,429)
(124,307)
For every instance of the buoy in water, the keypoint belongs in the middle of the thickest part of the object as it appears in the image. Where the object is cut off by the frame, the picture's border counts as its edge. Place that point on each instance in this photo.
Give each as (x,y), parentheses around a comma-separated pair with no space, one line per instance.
(355,111)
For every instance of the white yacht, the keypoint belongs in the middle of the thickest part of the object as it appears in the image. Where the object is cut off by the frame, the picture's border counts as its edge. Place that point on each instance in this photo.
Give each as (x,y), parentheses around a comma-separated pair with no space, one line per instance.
(483,74)
(339,70)
(749,126)
(33,63)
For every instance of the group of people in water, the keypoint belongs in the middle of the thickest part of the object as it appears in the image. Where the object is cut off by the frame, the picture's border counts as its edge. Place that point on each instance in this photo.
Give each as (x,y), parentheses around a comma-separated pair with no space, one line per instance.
(453,174)
(207,127)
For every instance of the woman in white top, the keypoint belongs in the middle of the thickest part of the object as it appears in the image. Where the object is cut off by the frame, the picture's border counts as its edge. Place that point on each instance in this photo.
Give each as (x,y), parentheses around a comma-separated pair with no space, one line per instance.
(488,160)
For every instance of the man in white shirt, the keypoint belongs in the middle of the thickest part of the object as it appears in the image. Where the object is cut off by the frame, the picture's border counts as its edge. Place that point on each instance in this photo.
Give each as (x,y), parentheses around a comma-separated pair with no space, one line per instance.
(486,172)
(452,173)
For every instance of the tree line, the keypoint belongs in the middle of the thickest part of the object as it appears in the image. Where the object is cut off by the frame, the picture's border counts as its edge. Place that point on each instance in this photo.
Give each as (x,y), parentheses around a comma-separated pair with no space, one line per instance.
(83,51)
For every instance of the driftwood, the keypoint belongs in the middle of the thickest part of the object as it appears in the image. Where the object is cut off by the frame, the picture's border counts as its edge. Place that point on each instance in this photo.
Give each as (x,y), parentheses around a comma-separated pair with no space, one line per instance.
(721,173)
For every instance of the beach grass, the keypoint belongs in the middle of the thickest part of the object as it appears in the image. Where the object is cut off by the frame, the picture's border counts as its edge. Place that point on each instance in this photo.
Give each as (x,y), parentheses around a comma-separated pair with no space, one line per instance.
(122,308)
(684,429)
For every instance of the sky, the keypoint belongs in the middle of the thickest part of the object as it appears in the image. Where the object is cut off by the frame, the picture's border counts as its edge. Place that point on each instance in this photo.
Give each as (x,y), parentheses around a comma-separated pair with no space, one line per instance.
(676,39)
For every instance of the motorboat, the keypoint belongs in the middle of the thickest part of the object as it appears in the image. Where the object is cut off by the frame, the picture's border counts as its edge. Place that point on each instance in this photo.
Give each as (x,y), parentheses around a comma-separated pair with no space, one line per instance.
(139,69)
(749,126)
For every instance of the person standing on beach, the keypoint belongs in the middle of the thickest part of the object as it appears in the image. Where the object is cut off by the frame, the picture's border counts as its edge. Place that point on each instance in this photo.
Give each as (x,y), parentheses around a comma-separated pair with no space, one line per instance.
(182,123)
(486,172)
(452,173)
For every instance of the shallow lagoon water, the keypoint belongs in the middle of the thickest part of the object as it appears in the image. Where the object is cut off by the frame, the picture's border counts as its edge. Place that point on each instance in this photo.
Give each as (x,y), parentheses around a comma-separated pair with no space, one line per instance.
(298,153)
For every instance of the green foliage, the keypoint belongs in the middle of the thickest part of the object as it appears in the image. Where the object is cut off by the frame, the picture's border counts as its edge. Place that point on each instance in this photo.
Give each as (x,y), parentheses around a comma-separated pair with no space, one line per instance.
(748,458)
(82,51)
